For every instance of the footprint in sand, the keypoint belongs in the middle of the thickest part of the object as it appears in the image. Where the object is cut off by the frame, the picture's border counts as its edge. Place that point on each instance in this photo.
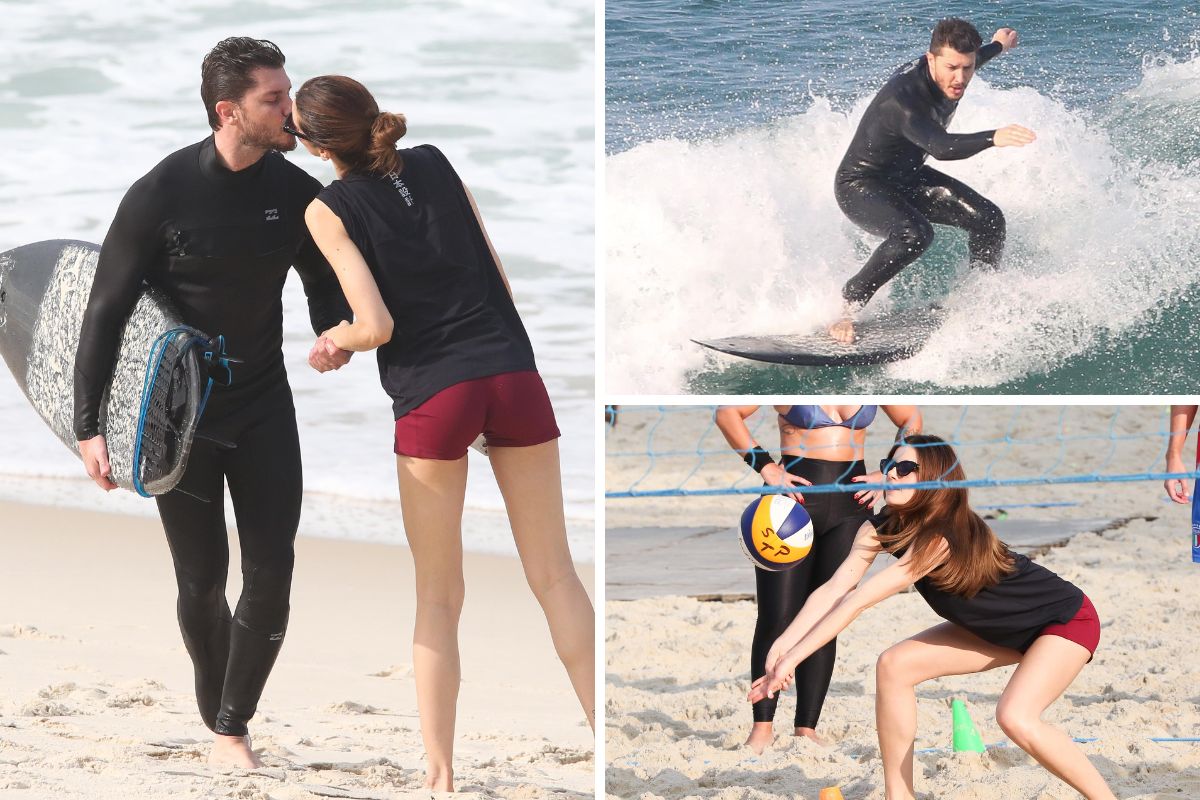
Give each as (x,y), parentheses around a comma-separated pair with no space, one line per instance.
(142,692)
(16,630)
(350,707)
(394,671)
(46,708)
(131,699)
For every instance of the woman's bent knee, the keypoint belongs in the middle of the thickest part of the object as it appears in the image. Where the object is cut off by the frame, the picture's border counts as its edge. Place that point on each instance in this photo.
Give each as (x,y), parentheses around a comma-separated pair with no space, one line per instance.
(1017,724)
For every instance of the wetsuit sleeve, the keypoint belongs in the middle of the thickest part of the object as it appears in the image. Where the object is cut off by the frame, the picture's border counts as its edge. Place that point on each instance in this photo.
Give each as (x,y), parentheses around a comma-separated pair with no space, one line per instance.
(987,53)
(130,250)
(327,304)
(933,139)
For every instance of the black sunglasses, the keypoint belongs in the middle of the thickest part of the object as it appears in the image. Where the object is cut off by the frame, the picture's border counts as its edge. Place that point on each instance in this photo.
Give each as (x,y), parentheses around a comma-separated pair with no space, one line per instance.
(289,126)
(903,468)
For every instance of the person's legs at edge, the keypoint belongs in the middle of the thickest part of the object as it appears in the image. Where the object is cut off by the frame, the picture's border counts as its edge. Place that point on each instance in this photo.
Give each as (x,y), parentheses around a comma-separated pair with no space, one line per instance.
(944,649)
(1045,672)
(779,597)
(530,480)
(815,673)
(199,543)
(432,493)
(266,486)
(522,438)
(946,201)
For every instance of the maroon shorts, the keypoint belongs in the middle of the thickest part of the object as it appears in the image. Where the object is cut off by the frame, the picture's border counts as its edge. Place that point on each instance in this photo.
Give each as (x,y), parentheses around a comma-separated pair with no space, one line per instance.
(1083,628)
(511,409)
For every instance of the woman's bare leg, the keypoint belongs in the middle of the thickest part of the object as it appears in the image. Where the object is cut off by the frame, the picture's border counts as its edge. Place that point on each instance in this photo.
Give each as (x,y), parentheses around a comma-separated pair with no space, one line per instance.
(431,497)
(1045,672)
(531,482)
(944,649)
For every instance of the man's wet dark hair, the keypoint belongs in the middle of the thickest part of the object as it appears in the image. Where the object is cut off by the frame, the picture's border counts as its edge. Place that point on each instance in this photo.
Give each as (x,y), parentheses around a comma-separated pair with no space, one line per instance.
(956,33)
(227,72)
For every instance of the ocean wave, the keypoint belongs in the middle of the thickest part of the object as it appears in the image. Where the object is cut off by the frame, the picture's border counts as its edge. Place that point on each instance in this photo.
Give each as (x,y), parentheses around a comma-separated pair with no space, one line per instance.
(741,235)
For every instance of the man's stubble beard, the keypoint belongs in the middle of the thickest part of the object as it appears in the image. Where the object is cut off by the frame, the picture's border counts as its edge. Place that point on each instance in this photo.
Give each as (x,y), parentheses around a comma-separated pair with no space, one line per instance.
(265,137)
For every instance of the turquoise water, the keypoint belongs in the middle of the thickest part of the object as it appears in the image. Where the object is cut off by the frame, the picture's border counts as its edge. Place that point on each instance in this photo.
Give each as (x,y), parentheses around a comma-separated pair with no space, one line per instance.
(724,126)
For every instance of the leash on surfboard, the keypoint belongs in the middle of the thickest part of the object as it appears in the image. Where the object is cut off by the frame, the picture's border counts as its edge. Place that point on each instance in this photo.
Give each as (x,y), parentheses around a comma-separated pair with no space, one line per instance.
(166,424)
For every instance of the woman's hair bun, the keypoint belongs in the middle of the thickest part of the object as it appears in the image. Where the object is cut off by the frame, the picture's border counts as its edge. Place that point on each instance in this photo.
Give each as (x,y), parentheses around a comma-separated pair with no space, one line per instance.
(388,129)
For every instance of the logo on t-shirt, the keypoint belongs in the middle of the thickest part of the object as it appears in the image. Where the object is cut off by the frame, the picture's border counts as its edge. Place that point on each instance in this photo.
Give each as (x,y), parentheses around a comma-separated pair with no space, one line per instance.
(401,188)
(272,214)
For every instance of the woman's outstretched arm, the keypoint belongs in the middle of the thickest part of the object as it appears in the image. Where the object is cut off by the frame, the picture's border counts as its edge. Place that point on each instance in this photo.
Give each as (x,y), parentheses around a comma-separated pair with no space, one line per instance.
(887,583)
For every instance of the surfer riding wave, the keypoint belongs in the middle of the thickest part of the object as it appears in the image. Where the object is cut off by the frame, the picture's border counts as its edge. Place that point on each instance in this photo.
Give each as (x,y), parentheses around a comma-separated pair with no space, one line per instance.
(883,184)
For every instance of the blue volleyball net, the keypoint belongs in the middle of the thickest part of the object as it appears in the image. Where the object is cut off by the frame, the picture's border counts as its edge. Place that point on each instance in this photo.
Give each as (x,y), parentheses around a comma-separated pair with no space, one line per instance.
(679,451)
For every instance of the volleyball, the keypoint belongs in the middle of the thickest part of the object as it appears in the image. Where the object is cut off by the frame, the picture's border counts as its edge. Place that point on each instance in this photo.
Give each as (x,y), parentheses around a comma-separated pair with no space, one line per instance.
(776,532)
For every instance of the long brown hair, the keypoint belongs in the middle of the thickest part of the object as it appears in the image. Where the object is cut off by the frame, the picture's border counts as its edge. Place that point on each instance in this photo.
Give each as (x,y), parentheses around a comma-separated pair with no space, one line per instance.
(976,559)
(340,115)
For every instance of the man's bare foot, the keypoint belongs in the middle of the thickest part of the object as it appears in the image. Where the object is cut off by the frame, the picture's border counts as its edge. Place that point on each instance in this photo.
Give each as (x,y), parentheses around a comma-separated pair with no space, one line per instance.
(440,780)
(761,735)
(233,751)
(811,734)
(843,331)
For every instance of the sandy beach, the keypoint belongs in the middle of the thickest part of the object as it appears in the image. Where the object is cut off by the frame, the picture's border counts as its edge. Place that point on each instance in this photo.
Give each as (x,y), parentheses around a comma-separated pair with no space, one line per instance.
(677,669)
(97,697)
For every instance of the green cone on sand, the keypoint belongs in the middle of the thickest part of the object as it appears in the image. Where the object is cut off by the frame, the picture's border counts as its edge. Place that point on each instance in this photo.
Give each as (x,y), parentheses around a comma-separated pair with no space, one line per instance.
(966,737)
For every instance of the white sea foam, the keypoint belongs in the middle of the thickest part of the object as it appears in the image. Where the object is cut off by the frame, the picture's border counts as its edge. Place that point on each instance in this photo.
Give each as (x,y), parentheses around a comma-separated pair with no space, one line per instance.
(741,235)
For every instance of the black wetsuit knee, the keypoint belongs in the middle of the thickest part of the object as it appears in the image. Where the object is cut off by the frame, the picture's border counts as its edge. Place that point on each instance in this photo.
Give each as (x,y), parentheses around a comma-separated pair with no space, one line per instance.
(888,213)
(264,604)
(987,237)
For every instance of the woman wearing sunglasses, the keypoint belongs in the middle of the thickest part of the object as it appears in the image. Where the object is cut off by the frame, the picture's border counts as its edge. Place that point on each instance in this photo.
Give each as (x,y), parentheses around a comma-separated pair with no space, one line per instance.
(1000,609)
(819,445)
(409,248)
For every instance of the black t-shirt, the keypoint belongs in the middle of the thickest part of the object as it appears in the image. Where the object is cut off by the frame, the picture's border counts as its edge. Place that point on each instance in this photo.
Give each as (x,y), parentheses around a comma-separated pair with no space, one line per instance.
(1011,613)
(453,317)
(219,244)
(906,122)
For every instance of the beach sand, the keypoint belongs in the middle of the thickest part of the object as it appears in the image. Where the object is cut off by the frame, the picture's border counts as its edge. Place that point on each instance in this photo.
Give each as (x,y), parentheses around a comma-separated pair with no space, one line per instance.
(677,669)
(97,698)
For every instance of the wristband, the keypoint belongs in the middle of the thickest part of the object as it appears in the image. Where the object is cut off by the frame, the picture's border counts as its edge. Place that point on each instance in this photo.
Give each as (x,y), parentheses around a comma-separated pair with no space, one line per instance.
(757,458)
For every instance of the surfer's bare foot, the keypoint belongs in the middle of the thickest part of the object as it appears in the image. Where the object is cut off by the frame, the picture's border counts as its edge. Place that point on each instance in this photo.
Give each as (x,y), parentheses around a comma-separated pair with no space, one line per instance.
(440,780)
(809,733)
(761,735)
(233,751)
(843,331)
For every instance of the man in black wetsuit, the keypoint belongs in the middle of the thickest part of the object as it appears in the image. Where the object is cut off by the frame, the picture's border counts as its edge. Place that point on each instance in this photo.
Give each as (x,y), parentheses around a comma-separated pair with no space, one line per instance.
(883,185)
(216,226)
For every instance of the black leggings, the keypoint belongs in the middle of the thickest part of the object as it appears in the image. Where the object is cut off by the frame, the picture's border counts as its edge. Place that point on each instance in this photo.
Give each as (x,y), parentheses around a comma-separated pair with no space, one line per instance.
(233,654)
(902,214)
(836,519)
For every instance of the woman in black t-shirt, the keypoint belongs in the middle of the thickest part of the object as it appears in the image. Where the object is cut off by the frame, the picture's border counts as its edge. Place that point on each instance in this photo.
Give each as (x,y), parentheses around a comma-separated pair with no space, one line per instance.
(1000,608)
(408,246)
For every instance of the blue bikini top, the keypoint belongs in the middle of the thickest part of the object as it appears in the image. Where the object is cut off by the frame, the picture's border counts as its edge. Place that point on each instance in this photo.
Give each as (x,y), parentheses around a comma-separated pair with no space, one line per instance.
(810,417)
